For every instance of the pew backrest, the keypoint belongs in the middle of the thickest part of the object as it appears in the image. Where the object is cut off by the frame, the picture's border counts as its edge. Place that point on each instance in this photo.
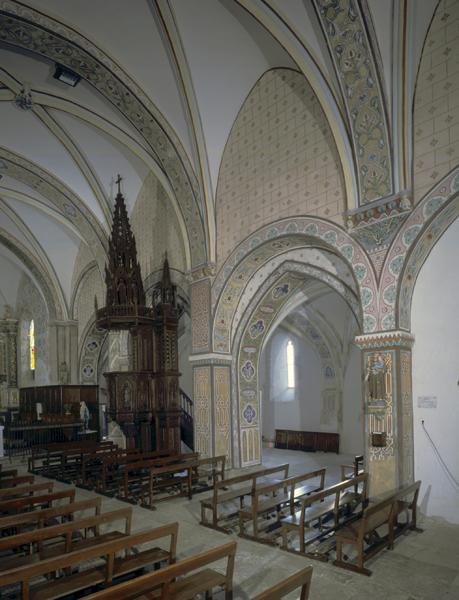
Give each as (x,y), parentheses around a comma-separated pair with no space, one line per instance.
(164,577)
(7,482)
(24,574)
(25,490)
(18,504)
(37,536)
(41,517)
(301,579)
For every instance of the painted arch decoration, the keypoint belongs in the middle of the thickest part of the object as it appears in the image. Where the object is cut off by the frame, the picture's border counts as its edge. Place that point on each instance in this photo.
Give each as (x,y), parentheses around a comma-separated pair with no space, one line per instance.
(261,315)
(277,238)
(26,28)
(348,39)
(420,232)
(67,202)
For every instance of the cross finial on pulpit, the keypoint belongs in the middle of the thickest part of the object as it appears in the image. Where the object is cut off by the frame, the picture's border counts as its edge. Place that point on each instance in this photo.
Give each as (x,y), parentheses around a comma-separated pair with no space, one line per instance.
(118,182)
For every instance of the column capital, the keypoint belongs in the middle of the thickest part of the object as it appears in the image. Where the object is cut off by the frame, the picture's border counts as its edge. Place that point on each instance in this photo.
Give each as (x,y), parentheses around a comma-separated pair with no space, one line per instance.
(211,358)
(385,339)
(203,271)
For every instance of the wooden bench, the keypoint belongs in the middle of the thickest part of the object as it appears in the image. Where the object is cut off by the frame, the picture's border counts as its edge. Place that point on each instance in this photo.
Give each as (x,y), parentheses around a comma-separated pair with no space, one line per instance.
(52,455)
(17,505)
(348,471)
(139,481)
(236,489)
(49,516)
(111,474)
(327,503)
(12,481)
(92,575)
(25,490)
(363,533)
(301,579)
(181,581)
(8,473)
(74,534)
(269,498)
(211,469)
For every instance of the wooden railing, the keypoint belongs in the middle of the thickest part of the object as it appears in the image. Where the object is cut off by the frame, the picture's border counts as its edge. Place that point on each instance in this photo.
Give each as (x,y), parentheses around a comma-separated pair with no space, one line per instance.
(186,421)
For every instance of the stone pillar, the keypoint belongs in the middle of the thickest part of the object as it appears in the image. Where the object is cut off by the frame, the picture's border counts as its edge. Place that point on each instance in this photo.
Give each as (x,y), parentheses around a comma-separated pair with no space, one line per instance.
(388,408)
(211,374)
(212,405)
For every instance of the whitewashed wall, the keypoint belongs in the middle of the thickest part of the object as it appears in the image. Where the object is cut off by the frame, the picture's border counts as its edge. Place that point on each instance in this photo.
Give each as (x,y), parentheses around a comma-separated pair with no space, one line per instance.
(284,408)
(435,324)
(351,441)
(300,408)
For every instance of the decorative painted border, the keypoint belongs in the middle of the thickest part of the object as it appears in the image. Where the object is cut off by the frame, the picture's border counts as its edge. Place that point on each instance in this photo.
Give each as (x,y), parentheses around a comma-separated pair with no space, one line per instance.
(276,238)
(413,242)
(346,34)
(26,28)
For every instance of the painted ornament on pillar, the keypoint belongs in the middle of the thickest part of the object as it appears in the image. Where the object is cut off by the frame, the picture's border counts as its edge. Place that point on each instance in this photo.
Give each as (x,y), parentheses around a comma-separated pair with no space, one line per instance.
(248,370)
(377,379)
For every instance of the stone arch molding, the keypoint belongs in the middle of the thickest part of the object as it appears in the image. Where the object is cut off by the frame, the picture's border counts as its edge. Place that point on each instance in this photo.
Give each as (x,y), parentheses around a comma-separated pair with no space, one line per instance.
(410,248)
(272,240)
(56,308)
(31,30)
(67,202)
(258,320)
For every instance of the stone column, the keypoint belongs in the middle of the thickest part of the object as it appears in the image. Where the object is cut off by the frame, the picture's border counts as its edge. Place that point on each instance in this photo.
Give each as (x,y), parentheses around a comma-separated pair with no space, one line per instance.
(388,408)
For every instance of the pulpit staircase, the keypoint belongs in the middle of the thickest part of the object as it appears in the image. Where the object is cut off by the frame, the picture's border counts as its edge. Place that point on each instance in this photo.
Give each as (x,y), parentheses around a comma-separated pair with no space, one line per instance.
(186,421)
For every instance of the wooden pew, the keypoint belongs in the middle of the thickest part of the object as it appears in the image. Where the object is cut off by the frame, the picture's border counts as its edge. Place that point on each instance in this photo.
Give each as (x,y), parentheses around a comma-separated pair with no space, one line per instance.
(92,575)
(301,579)
(73,532)
(8,473)
(382,513)
(236,489)
(49,516)
(17,505)
(12,481)
(139,479)
(111,475)
(348,471)
(51,455)
(164,585)
(273,497)
(26,490)
(211,469)
(326,503)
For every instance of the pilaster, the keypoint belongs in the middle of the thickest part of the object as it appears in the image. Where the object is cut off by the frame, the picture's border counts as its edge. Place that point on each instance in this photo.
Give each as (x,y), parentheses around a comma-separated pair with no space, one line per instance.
(63,352)
(212,404)
(388,408)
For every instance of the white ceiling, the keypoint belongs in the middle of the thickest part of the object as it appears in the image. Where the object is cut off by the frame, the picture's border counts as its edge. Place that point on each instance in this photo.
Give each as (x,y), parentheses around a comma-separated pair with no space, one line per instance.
(84,141)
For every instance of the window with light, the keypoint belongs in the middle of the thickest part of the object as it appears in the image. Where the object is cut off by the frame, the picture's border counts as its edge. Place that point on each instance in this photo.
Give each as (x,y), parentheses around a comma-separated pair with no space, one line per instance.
(290,364)
(32,345)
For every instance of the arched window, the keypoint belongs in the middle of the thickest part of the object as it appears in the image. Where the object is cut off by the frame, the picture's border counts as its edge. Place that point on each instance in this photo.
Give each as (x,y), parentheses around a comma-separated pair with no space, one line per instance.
(32,345)
(290,364)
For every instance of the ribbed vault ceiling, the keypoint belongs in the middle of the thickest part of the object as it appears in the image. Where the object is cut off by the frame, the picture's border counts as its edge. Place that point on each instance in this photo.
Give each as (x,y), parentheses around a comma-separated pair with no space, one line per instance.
(193,62)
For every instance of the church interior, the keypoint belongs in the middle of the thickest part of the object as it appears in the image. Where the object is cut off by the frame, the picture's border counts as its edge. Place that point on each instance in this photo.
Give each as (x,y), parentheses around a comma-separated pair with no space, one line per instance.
(229,233)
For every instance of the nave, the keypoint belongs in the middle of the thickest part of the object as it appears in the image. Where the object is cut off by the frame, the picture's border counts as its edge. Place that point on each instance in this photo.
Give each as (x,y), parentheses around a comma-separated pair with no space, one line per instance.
(420,567)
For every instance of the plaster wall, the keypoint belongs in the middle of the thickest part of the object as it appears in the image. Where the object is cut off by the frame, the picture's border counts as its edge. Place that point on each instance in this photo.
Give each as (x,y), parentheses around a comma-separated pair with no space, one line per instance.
(284,408)
(280,160)
(351,440)
(435,376)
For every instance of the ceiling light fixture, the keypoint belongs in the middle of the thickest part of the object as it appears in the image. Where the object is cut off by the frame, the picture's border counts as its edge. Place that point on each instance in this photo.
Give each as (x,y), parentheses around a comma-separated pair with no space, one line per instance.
(66,75)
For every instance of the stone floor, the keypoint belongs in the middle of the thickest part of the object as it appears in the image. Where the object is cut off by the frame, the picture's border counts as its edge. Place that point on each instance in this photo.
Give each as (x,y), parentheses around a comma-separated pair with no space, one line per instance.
(423,566)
